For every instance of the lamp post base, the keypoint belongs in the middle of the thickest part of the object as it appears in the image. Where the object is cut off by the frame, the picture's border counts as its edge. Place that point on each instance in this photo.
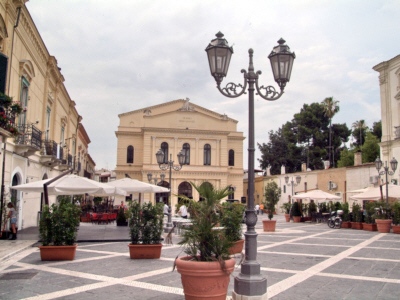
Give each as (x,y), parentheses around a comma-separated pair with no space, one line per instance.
(250,288)
(168,228)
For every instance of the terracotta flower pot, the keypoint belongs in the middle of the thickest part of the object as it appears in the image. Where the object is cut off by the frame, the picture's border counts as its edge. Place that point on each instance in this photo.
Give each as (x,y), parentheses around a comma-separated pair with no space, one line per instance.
(57,252)
(296,219)
(269,225)
(237,247)
(204,280)
(287,217)
(369,227)
(145,251)
(383,225)
(396,229)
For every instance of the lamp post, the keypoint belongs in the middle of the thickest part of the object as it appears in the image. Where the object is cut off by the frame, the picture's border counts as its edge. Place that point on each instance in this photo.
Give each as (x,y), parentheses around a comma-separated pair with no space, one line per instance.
(385,171)
(292,183)
(249,282)
(165,165)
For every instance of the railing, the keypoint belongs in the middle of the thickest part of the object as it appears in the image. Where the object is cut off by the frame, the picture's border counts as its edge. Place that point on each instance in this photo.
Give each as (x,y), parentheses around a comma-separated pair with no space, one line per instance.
(29,135)
(50,148)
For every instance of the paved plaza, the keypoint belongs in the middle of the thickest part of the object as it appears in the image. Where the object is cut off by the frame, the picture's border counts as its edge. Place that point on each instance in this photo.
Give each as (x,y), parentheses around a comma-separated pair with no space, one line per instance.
(299,260)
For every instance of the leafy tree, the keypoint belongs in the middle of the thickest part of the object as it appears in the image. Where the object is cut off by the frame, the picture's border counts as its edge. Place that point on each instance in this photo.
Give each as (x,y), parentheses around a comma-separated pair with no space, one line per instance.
(359,132)
(377,130)
(370,149)
(304,139)
(272,193)
(346,158)
(331,107)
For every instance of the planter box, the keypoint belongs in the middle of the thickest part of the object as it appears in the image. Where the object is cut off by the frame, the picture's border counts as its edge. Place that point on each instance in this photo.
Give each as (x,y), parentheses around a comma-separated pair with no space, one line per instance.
(346,224)
(384,225)
(140,251)
(370,227)
(396,229)
(356,225)
(57,252)
(269,225)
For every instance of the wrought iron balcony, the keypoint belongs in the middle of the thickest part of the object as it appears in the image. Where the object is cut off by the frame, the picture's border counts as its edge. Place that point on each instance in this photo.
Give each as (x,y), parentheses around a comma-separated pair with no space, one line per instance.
(66,159)
(49,153)
(28,141)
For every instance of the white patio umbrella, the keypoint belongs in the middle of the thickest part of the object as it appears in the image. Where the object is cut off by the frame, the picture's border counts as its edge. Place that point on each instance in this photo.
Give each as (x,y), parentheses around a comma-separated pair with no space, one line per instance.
(375,193)
(70,185)
(317,195)
(136,186)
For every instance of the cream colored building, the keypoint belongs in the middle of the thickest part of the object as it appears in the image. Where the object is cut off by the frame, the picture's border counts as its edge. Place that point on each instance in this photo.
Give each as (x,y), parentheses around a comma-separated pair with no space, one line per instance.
(212,145)
(52,137)
(389,81)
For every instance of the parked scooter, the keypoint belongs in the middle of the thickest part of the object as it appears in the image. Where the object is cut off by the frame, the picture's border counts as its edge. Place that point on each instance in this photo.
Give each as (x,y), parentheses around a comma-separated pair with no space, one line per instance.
(335,220)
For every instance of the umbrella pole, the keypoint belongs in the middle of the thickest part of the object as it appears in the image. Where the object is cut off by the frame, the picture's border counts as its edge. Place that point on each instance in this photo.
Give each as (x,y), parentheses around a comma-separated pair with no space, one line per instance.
(45,191)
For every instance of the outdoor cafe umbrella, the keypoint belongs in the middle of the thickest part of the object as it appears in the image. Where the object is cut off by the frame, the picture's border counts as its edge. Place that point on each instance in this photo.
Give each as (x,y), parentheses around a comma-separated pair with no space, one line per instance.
(130,185)
(375,193)
(70,185)
(316,195)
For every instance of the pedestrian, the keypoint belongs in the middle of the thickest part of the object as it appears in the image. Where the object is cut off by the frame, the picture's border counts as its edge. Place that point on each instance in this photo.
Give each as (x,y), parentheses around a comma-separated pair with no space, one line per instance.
(183,211)
(166,209)
(12,215)
(262,208)
(257,208)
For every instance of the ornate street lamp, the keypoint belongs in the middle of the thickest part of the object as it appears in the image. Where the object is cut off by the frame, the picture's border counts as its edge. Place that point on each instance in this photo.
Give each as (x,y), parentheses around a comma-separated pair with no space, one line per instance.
(385,171)
(292,183)
(165,165)
(250,282)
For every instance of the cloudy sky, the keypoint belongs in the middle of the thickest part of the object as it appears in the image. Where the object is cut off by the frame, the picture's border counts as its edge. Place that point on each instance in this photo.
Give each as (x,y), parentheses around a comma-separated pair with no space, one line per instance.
(118,56)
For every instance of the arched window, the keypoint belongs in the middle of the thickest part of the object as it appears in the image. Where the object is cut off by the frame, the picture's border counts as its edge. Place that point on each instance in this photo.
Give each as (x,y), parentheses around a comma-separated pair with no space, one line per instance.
(185,189)
(129,154)
(231,158)
(164,148)
(186,152)
(207,155)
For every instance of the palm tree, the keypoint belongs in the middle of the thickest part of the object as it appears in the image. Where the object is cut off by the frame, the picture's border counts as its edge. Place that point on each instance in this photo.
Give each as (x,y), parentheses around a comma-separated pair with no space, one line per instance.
(331,107)
(361,127)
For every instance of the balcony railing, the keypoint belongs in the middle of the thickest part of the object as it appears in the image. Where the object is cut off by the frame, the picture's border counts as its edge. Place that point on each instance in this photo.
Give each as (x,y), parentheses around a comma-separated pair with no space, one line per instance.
(50,148)
(29,135)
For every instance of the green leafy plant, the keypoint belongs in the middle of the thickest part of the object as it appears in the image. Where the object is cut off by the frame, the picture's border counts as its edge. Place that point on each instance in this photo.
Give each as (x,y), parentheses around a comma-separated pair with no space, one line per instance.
(312,208)
(296,209)
(369,212)
(9,110)
(272,193)
(346,212)
(203,241)
(146,223)
(356,212)
(286,207)
(396,213)
(231,220)
(383,211)
(59,223)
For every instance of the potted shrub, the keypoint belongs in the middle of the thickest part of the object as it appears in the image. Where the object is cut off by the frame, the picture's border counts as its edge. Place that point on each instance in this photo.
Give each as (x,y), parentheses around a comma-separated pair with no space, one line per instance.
(231,220)
(346,216)
(58,229)
(369,217)
(145,230)
(296,213)
(383,217)
(356,216)
(286,208)
(122,217)
(396,217)
(272,193)
(208,261)
(312,211)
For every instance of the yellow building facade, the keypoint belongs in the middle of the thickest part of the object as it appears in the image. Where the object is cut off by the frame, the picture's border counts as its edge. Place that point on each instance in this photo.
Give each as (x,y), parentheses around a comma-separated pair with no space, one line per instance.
(212,145)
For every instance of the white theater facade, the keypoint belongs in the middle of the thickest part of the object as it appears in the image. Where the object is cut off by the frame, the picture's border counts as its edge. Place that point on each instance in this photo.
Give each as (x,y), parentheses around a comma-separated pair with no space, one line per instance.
(212,146)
